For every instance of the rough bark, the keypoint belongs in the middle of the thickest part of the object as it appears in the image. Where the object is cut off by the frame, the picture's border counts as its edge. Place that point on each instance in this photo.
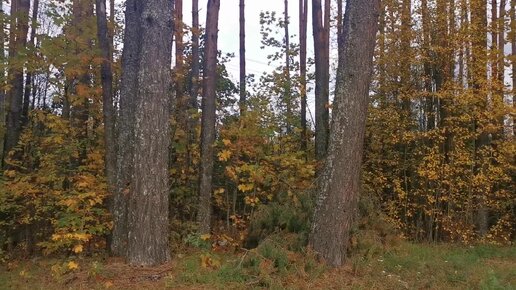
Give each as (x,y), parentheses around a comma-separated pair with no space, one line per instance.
(148,234)
(125,127)
(182,102)
(303,23)
(243,91)
(208,116)
(108,110)
(339,181)
(18,40)
(322,77)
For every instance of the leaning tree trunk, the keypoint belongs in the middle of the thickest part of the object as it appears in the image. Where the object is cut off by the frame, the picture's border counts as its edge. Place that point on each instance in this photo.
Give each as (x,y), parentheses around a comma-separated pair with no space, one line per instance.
(208,116)
(148,200)
(339,182)
(108,110)
(125,153)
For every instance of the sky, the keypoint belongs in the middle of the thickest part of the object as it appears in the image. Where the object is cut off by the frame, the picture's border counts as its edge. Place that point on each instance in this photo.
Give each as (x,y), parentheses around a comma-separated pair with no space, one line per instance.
(256,58)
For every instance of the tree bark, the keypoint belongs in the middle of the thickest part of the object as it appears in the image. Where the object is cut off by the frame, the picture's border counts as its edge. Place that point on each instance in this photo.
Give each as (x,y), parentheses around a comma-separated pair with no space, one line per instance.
(339,182)
(287,97)
(303,23)
(182,102)
(148,234)
(195,54)
(208,116)
(125,154)
(322,80)
(513,60)
(17,42)
(2,85)
(28,77)
(108,110)
(243,91)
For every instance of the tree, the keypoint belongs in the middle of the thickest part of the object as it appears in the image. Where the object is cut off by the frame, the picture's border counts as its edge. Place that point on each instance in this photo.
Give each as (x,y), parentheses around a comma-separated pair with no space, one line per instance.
(287,96)
(303,23)
(125,127)
(321,33)
(243,91)
(28,77)
(208,116)
(148,210)
(108,110)
(2,84)
(194,90)
(17,42)
(339,182)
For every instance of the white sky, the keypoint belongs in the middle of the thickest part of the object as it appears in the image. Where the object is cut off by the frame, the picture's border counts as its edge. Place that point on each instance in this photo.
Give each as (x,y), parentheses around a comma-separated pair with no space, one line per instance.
(256,58)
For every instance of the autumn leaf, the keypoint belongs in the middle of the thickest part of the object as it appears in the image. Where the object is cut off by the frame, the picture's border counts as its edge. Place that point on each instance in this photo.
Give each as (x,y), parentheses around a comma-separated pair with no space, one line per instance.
(72,265)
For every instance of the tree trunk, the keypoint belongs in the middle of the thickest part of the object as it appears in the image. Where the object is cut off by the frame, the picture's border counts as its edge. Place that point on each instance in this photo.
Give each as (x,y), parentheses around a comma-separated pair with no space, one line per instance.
(287,97)
(208,116)
(195,54)
(148,239)
(18,40)
(322,85)
(108,109)
(500,101)
(513,61)
(182,103)
(303,23)
(2,85)
(28,77)
(128,94)
(243,91)
(339,182)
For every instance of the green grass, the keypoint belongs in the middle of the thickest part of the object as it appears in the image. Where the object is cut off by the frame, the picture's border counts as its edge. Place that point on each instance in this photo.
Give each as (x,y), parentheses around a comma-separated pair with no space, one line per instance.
(407,266)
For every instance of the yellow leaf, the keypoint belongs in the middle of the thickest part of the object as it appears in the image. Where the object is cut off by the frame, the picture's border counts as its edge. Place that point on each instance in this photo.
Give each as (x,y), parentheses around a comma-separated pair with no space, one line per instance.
(224,155)
(77,249)
(245,187)
(205,237)
(226,142)
(72,265)
(108,284)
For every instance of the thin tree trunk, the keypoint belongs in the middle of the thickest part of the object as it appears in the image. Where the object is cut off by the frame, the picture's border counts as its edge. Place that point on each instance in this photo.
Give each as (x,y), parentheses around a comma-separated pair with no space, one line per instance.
(339,183)
(182,103)
(18,40)
(243,91)
(501,69)
(195,54)
(208,116)
(125,153)
(303,23)
(513,60)
(2,84)
(287,97)
(321,47)
(108,110)
(148,218)
(28,77)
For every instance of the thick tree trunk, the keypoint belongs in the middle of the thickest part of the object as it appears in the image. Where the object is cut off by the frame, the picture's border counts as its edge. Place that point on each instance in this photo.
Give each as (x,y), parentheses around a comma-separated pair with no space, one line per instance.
(108,110)
(303,23)
(243,91)
(322,80)
(18,40)
(148,239)
(339,182)
(208,116)
(125,154)
(28,77)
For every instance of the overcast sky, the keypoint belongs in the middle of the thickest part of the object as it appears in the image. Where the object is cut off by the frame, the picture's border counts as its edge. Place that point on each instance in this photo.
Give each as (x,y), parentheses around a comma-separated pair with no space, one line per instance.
(256,58)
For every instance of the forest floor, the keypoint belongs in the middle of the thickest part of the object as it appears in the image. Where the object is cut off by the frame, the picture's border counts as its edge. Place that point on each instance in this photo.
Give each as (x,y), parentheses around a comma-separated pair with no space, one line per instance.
(407,266)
